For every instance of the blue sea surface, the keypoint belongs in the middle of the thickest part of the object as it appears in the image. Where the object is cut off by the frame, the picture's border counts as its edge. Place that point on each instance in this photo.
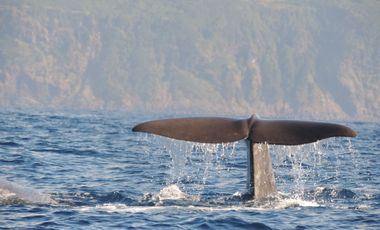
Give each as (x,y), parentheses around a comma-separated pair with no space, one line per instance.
(88,170)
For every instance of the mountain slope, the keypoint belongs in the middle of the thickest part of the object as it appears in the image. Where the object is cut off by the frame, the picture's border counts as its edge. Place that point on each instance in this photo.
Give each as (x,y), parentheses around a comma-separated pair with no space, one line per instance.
(284,58)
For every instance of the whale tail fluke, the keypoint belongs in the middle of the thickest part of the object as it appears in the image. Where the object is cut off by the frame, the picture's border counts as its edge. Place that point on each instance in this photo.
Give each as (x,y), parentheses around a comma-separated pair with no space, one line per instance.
(198,129)
(222,130)
(285,132)
(258,133)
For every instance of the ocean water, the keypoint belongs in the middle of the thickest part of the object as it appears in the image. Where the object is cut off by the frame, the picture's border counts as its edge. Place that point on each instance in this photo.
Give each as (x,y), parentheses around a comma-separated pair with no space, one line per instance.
(88,170)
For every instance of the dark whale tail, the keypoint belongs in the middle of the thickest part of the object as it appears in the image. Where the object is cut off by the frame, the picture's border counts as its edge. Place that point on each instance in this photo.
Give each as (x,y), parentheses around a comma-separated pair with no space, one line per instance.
(258,134)
(222,130)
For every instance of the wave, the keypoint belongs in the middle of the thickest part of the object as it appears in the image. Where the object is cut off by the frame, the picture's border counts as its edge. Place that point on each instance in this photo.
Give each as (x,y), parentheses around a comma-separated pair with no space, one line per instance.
(9,144)
(170,196)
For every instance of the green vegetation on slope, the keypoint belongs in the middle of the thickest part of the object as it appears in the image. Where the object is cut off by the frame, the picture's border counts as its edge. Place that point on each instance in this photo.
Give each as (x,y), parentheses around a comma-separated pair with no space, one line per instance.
(287,58)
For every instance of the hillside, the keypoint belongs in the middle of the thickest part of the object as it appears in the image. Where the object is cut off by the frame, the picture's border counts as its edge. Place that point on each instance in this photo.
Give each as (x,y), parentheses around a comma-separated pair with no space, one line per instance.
(276,58)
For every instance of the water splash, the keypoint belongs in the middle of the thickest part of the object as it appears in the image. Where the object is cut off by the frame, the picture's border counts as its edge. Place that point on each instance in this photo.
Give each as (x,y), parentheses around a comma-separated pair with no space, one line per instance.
(301,171)
(173,192)
(304,168)
(194,164)
(191,165)
(168,193)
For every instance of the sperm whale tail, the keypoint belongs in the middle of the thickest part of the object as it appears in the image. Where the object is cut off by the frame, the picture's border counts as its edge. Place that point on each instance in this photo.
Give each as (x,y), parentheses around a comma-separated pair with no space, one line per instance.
(222,130)
(257,132)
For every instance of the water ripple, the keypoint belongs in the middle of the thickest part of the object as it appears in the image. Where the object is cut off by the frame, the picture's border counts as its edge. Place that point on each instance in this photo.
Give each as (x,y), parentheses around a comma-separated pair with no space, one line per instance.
(101,175)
